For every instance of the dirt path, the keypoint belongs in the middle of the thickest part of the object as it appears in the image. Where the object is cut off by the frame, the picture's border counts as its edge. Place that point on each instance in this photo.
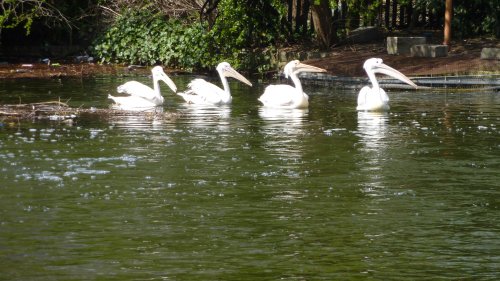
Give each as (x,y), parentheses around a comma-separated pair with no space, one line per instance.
(464,58)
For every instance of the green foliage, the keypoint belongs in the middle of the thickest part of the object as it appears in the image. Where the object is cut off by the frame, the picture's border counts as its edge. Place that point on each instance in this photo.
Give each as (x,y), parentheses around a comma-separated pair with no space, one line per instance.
(246,32)
(238,37)
(15,12)
(243,30)
(143,38)
(483,19)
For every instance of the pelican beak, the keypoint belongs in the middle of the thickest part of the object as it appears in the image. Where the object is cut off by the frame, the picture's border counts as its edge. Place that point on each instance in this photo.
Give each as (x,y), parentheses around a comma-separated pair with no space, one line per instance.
(387,70)
(231,72)
(302,67)
(164,77)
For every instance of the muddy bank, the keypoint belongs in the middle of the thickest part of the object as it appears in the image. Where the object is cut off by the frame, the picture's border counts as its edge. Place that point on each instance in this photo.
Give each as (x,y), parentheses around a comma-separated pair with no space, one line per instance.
(344,61)
(42,70)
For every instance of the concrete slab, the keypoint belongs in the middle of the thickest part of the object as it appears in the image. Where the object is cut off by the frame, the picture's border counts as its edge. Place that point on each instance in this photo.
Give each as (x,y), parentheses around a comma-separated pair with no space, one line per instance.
(402,45)
(429,51)
(490,54)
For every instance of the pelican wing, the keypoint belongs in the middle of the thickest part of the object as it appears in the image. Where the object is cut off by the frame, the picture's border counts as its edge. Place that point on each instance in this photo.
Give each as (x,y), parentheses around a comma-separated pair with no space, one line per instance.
(131,103)
(202,92)
(277,96)
(136,89)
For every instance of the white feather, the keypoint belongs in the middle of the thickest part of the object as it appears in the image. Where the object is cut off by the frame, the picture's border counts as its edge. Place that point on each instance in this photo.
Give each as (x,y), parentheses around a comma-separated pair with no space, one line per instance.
(286,96)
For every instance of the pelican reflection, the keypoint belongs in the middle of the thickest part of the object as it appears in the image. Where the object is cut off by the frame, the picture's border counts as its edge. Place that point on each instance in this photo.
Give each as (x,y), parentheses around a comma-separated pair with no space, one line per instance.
(152,118)
(372,128)
(373,133)
(200,115)
(282,116)
(282,128)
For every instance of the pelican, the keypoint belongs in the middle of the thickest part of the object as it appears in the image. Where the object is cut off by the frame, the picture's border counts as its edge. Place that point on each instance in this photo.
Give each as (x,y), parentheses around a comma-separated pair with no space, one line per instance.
(203,92)
(140,96)
(375,98)
(286,96)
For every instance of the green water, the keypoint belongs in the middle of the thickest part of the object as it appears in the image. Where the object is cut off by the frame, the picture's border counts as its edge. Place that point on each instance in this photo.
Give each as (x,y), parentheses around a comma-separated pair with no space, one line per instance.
(242,193)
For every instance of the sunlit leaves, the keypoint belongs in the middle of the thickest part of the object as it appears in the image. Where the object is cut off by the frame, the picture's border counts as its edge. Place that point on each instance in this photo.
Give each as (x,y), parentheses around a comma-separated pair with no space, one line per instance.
(134,40)
(15,12)
(140,37)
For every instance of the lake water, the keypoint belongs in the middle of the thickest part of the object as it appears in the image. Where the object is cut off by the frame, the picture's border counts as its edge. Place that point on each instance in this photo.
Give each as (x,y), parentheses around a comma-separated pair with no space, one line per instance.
(243,193)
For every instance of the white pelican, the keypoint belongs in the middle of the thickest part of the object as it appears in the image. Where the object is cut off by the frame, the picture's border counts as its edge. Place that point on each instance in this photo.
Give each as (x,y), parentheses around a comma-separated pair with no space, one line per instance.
(286,96)
(140,96)
(375,98)
(203,92)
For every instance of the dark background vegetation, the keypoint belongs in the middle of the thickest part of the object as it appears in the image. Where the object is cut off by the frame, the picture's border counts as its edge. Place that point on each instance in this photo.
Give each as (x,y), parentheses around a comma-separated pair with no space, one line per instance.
(197,34)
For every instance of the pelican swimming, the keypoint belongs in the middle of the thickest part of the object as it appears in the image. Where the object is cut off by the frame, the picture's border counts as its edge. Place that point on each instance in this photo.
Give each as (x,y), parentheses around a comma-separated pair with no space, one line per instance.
(203,92)
(375,98)
(286,96)
(140,96)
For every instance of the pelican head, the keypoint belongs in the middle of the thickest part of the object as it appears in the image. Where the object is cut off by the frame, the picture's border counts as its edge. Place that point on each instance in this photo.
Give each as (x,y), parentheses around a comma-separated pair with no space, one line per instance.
(376,65)
(295,67)
(159,74)
(225,69)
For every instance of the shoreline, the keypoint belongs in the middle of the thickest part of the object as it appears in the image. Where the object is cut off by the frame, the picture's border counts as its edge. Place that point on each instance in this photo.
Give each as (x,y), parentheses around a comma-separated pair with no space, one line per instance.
(352,70)
(344,61)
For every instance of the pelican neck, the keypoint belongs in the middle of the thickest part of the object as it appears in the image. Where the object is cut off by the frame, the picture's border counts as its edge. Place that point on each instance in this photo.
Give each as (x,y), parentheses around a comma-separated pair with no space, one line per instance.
(296,82)
(158,98)
(226,97)
(373,79)
(156,85)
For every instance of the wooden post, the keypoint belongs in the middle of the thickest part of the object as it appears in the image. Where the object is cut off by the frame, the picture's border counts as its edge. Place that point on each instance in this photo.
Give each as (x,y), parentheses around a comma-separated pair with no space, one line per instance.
(447,23)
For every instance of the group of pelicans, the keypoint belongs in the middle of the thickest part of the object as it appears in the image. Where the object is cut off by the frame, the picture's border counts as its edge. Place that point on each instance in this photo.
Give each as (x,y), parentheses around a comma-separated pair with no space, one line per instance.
(137,96)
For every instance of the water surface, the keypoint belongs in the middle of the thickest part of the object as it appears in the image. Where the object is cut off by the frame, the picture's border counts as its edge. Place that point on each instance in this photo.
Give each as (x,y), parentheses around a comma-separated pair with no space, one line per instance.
(244,193)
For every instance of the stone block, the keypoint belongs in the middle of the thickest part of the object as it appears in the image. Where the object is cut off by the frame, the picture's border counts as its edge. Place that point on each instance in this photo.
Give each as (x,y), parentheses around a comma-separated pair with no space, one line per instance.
(490,54)
(429,51)
(402,45)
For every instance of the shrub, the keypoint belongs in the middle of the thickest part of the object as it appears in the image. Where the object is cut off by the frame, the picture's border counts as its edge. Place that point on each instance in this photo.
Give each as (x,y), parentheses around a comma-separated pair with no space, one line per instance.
(144,38)
(141,37)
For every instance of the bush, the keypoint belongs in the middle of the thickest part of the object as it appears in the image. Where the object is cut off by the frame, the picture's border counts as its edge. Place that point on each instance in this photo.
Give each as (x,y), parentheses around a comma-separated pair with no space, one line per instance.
(145,38)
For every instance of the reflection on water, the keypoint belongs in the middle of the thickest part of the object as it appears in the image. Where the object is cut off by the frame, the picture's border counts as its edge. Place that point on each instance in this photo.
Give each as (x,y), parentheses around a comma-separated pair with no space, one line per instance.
(140,120)
(373,133)
(245,193)
(136,109)
(206,115)
(282,128)
(283,115)
(372,130)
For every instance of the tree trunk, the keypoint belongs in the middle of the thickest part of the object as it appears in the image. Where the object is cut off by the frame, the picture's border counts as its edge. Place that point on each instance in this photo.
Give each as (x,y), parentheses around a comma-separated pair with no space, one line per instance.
(300,10)
(447,22)
(387,9)
(305,7)
(409,14)
(343,15)
(423,13)
(296,14)
(394,13)
(432,18)
(323,23)
(495,6)
(413,14)
(353,19)
(497,29)
(290,13)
